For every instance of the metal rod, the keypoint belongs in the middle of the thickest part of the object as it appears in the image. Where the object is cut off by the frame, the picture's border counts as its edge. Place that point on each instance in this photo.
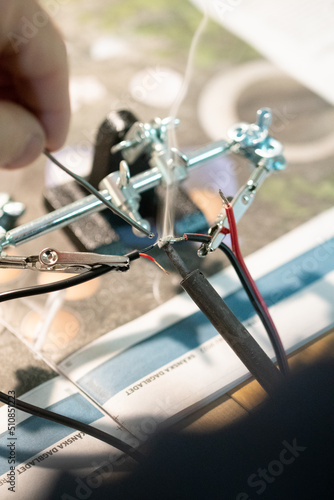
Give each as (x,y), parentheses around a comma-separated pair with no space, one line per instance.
(90,204)
(146,180)
(54,220)
(207,153)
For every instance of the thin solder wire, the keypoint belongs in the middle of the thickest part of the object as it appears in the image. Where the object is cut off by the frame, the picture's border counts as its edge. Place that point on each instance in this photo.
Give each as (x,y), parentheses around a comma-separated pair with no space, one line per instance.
(168,212)
(85,184)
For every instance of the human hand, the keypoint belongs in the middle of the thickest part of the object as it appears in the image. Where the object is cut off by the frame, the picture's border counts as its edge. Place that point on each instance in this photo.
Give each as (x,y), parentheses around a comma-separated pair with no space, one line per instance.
(34,98)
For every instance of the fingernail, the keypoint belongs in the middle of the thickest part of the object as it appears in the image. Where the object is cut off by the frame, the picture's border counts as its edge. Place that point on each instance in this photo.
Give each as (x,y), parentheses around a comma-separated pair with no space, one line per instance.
(30,152)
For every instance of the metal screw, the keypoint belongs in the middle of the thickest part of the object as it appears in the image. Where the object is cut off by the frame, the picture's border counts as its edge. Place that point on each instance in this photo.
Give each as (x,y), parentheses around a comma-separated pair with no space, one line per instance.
(49,257)
(14,209)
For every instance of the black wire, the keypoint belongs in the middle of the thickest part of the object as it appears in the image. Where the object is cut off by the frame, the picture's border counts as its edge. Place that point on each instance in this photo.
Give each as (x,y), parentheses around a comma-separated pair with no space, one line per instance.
(279,352)
(56,286)
(82,182)
(91,189)
(63,284)
(74,424)
(41,412)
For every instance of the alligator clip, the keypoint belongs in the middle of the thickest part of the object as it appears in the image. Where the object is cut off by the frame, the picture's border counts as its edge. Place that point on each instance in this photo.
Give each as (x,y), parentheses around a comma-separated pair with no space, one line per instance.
(65,262)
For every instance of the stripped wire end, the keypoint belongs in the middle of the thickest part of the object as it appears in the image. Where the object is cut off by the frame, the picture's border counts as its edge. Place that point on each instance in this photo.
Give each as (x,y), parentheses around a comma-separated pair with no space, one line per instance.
(225,200)
(228,207)
(108,203)
(152,259)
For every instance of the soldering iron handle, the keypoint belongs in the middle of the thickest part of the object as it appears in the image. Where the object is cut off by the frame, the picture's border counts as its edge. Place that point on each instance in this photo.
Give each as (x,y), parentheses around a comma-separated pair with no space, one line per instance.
(232,330)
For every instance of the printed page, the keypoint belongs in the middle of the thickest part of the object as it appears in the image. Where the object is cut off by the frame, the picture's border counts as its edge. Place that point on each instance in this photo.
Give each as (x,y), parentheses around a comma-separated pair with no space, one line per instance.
(34,450)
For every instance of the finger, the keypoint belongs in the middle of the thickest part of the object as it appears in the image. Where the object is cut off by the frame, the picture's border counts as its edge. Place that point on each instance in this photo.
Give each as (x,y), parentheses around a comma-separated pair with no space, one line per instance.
(46,97)
(22,138)
(35,56)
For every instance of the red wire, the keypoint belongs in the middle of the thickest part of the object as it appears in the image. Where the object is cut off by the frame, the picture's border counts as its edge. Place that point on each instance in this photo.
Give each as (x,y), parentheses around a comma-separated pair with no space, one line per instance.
(238,254)
(149,257)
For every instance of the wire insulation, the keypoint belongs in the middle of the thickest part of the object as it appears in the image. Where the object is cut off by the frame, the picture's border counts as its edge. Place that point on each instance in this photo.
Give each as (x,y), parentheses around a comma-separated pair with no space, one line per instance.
(63,284)
(91,189)
(152,259)
(72,423)
(277,346)
(55,286)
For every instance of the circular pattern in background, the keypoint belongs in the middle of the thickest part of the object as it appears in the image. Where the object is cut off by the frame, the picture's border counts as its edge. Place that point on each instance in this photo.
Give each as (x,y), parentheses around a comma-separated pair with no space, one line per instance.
(263,83)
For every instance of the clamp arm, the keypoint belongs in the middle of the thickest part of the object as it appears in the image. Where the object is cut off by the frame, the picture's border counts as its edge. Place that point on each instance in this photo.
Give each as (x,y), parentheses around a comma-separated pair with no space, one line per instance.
(253,142)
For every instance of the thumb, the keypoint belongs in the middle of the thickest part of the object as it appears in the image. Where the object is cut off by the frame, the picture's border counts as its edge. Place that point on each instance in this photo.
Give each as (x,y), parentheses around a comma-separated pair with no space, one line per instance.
(22,138)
